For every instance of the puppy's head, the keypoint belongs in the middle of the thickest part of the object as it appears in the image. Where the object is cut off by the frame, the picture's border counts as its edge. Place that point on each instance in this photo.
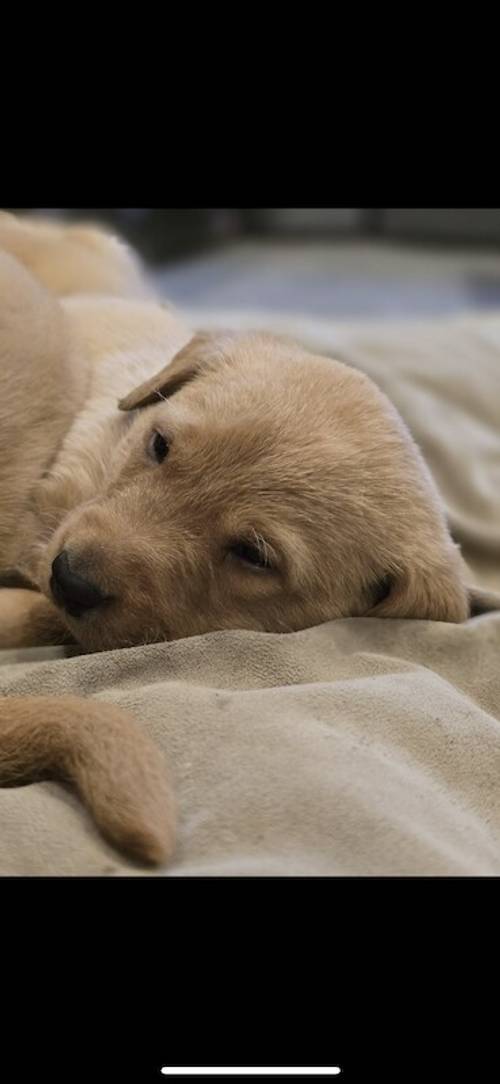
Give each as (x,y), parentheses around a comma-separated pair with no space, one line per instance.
(257,487)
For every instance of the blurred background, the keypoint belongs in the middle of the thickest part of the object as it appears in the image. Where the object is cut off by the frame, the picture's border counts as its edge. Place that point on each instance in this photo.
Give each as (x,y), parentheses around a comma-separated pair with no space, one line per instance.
(339,262)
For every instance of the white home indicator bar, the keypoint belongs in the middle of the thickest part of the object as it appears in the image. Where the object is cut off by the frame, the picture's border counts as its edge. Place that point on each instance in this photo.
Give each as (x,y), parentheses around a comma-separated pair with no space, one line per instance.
(250,1070)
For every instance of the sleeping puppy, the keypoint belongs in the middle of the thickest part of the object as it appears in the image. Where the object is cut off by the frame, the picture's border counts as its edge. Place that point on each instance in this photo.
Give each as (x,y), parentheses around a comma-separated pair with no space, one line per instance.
(156,484)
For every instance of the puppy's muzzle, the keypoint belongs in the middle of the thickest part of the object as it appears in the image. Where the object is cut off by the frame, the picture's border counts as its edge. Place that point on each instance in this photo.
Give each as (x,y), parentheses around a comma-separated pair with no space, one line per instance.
(72,592)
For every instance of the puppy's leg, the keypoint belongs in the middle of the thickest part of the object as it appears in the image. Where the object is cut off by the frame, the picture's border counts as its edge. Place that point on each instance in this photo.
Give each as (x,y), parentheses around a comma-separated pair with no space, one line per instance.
(118,772)
(28,619)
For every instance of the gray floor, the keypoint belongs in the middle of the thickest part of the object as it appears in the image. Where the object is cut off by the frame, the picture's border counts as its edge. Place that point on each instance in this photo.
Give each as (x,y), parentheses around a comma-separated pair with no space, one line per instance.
(339,279)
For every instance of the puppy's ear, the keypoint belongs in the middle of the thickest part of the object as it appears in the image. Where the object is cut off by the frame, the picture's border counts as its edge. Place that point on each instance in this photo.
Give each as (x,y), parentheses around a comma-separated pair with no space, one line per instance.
(432,592)
(201,352)
(482,601)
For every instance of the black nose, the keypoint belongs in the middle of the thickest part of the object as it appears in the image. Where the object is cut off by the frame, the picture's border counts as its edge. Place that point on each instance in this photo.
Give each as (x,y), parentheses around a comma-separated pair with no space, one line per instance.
(71,591)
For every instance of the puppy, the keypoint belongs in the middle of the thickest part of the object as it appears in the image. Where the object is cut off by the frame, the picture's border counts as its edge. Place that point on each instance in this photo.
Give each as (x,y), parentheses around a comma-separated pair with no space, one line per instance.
(156,484)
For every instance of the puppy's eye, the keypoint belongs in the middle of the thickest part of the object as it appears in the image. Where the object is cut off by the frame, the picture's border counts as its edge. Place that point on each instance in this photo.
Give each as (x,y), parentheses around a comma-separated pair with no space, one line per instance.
(158,447)
(251,555)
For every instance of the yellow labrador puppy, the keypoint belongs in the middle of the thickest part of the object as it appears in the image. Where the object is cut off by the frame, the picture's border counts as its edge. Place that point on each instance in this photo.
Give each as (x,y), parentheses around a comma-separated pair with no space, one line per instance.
(156,485)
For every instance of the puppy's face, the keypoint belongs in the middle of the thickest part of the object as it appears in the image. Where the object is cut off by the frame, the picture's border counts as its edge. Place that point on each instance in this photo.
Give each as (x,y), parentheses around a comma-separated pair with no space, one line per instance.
(255,487)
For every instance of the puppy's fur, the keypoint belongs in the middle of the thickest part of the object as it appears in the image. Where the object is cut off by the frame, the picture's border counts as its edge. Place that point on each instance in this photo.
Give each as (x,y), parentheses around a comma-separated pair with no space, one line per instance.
(290,491)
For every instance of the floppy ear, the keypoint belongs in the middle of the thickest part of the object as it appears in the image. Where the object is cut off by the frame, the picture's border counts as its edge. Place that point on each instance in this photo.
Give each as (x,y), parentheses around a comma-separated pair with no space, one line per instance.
(434,592)
(482,601)
(201,352)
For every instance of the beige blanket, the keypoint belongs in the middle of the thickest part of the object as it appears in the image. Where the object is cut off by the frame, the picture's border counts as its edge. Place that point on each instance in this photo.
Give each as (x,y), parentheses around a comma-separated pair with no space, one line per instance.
(360,747)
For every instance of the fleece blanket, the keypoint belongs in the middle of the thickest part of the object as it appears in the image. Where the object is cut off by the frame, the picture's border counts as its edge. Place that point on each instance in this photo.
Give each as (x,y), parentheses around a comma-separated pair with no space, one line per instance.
(361,747)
